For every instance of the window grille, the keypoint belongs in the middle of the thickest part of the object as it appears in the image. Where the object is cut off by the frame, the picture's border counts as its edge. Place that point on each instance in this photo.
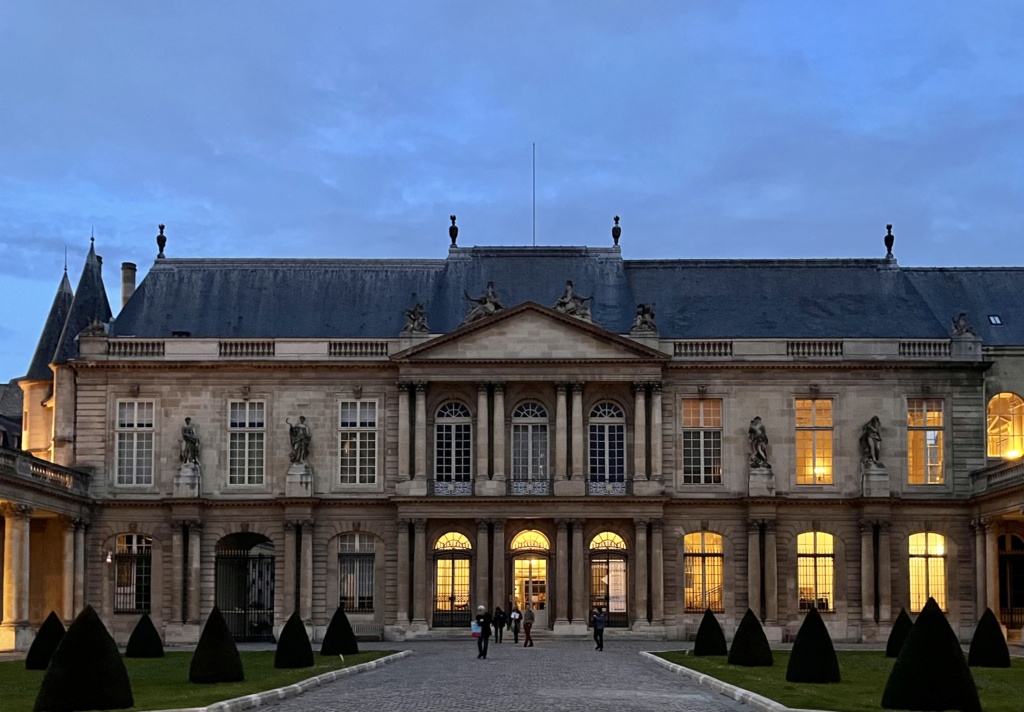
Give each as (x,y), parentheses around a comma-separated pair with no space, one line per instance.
(133,574)
(702,565)
(927,570)
(815,567)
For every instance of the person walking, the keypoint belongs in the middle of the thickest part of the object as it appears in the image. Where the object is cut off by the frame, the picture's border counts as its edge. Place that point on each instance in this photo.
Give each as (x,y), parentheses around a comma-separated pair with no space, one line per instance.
(597,622)
(498,619)
(484,620)
(528,618)
(514,619)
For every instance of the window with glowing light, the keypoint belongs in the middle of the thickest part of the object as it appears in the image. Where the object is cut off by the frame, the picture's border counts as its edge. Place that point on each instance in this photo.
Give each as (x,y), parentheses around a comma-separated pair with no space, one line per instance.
(355,570)
(1006,426)
(357,442)
(815,570)
(702,568)
(813,441)
(702,441)
(925,437)
(927,570)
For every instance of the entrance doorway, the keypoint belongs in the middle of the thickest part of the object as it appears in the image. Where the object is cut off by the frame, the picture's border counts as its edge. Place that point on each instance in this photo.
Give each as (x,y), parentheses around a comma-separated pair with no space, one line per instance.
(530,585)
(1011,581)
(245,586)
(608,579)
(451,581)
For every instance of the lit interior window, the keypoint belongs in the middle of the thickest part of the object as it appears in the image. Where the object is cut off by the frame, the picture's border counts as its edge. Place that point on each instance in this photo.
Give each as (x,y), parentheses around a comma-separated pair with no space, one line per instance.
(1006,426)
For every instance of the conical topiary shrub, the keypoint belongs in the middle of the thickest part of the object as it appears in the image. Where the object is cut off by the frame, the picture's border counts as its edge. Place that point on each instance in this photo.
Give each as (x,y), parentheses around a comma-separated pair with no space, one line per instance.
(339,638)
(750,645)
(86,672)
(216,658)
(293,646)
(145,640)
(50,633)
(930,672)
(988,646)
(710,638)
(898,634)
(814,657)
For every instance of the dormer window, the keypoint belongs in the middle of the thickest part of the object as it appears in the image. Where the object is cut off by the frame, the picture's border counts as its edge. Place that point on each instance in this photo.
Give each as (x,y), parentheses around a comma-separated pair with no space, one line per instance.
(995,320)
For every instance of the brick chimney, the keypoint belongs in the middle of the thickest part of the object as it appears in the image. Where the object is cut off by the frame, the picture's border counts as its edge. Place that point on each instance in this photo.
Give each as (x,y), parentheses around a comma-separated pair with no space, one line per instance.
(127,282)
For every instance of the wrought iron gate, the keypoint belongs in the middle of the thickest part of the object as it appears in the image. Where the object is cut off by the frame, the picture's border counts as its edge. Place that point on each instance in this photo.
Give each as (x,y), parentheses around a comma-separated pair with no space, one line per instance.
(245,593)
(608,588)
(451,592)
(1011,582)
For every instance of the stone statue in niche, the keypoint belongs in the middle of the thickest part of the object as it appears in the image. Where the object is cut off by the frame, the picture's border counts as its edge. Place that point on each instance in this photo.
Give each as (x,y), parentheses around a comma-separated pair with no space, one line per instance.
(644,320)
(483,306)
(573,304)
(758,445)
(961,327)
(871,444)
(190,444)
(416,320)
(301,436)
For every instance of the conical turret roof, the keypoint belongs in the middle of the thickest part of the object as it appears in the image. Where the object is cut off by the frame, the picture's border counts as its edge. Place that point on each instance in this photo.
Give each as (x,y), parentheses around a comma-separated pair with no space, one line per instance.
(39,368)
(90,303)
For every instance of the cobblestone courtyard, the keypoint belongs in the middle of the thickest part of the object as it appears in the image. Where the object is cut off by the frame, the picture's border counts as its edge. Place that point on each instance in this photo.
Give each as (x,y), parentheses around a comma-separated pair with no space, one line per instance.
(555,676)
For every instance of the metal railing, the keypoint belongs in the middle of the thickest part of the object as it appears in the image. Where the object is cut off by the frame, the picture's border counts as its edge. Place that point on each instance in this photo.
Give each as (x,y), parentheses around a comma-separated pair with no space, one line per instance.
(445,488)
(525,488)
(601,488)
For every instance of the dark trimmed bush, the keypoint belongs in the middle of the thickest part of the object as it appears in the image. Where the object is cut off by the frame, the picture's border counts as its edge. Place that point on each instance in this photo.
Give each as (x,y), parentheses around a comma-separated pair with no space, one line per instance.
(930,672)
(710,638)
(814,657)
(50,633)
(898,634)
(339,638)
(750,645)
(86,671)
(293,647)
(988,646)
(216,658)
(145,640)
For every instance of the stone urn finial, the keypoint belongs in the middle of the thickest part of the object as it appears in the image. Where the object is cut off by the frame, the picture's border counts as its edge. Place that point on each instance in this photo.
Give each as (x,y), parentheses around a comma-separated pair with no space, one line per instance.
(616,231)
(889,240)
(453,231)
(161,241)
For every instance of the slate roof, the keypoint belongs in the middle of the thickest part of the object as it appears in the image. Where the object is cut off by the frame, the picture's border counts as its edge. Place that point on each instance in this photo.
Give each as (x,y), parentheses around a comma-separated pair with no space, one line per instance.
(39,368)
(11,399)
(273,298)
(90,302)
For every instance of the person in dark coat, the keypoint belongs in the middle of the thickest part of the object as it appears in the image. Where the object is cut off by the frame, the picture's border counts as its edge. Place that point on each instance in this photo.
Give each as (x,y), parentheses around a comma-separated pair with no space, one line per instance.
(597,622)
(498,618)
(515,618)
(484,620)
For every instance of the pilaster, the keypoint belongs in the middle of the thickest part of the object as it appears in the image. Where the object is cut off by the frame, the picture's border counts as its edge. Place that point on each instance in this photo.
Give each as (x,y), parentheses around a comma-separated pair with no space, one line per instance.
(580,612)
(498,438)
(499,593)
(577,432)
(482,432)
(402,572)
(641,580)
(195,532)
(15,631)
(561,434)
(754,566)
(639,431)
(561,593)
(771,572)
(306,573)
(867,571)
(68,570)
(403,432)
(980,567)
(656,434)
(481,596)
(657,573)
(419,601)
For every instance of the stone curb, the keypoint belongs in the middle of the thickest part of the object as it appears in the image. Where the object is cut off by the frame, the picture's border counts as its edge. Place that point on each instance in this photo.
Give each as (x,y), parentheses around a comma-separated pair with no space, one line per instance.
(282,693)
(746,697)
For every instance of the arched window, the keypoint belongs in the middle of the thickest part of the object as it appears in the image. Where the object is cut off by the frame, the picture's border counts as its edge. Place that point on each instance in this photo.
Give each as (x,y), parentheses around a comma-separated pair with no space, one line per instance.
(355,567)
(133,573)
(608,580)
(451,581)
(607,540)
(530,540)
(530,442)
(702,567)
(607,444)
(452,541)
(815,570)
(1006,426)
(453,443)
(927,570)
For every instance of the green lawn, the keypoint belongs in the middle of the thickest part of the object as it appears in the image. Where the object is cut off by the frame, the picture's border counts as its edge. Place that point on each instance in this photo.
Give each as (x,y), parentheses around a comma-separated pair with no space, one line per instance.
(162,683)
(864,676)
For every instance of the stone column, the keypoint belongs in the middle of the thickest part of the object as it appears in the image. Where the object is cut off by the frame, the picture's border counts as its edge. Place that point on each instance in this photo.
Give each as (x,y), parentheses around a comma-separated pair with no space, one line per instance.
(561,434)
(771,572)
(754,566)
(403,432)
(306,573)
(499,593)
(562,573)
(420,465)
(177,571)
(498,439)
(481,596)
(580,612)
(68,569)
(884,573)
(290,591)
(980,564)
(578,461)
(992,566)
(402,572)
(867,571)
(16,569)
(657,573)
(482,429)
(656,434)
(80,564)
(419,573)
(639,431)
(195,531)
(640,574)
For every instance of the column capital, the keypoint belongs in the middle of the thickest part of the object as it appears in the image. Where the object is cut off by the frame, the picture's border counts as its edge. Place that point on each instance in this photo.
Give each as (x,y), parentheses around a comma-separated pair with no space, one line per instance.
(291,524)
(499,523)
(867,525)
(482,523)
(404,520)
(578,524)
(753,525)
(420,386)
(657,525)
(421,525)
(82,523)
(577,387)
(640,388)
(176,525)
(563,524)
(561,387)
(14,510)
(482,387)
(67,523)
(498,386)
(655,387)
(641,523)
(770,525)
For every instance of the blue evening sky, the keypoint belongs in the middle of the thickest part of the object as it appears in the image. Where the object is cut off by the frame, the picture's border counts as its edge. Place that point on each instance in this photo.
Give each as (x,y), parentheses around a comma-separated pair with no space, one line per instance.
(716,129)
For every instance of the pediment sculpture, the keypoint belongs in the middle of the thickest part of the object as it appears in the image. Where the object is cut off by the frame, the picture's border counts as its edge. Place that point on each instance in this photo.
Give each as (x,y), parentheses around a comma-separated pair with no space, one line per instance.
(573,304)
(416,320)
(483,306)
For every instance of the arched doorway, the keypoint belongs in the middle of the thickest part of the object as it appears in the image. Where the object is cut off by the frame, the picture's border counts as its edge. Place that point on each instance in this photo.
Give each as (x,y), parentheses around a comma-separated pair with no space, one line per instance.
(608,579)
(1011,581)
(530,551)
(245,585)
(452,558)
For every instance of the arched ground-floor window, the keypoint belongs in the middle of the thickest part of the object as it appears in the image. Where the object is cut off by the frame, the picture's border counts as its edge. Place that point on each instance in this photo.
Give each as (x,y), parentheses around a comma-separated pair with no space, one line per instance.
(530,573)
(133,574)
(927,570)
(609,579)
(452,608)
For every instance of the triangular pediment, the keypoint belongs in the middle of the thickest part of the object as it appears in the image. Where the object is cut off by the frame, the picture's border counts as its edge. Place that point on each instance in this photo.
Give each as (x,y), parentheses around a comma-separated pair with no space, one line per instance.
(530,332)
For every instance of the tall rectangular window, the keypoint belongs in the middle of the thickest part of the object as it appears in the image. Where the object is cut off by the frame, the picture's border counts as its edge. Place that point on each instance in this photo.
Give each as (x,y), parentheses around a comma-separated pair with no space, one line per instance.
(246,440)
(925,426)
(702,566)
(702,441)
(133,574)
(135,442)
(357,442)
(813,441)
(355,566)
(815,570)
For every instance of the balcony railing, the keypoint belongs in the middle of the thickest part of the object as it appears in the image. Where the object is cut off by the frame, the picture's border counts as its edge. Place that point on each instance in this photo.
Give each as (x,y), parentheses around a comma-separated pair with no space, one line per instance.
(528,487)
(21,465)
(446,488)
(999,476)
(602,488)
